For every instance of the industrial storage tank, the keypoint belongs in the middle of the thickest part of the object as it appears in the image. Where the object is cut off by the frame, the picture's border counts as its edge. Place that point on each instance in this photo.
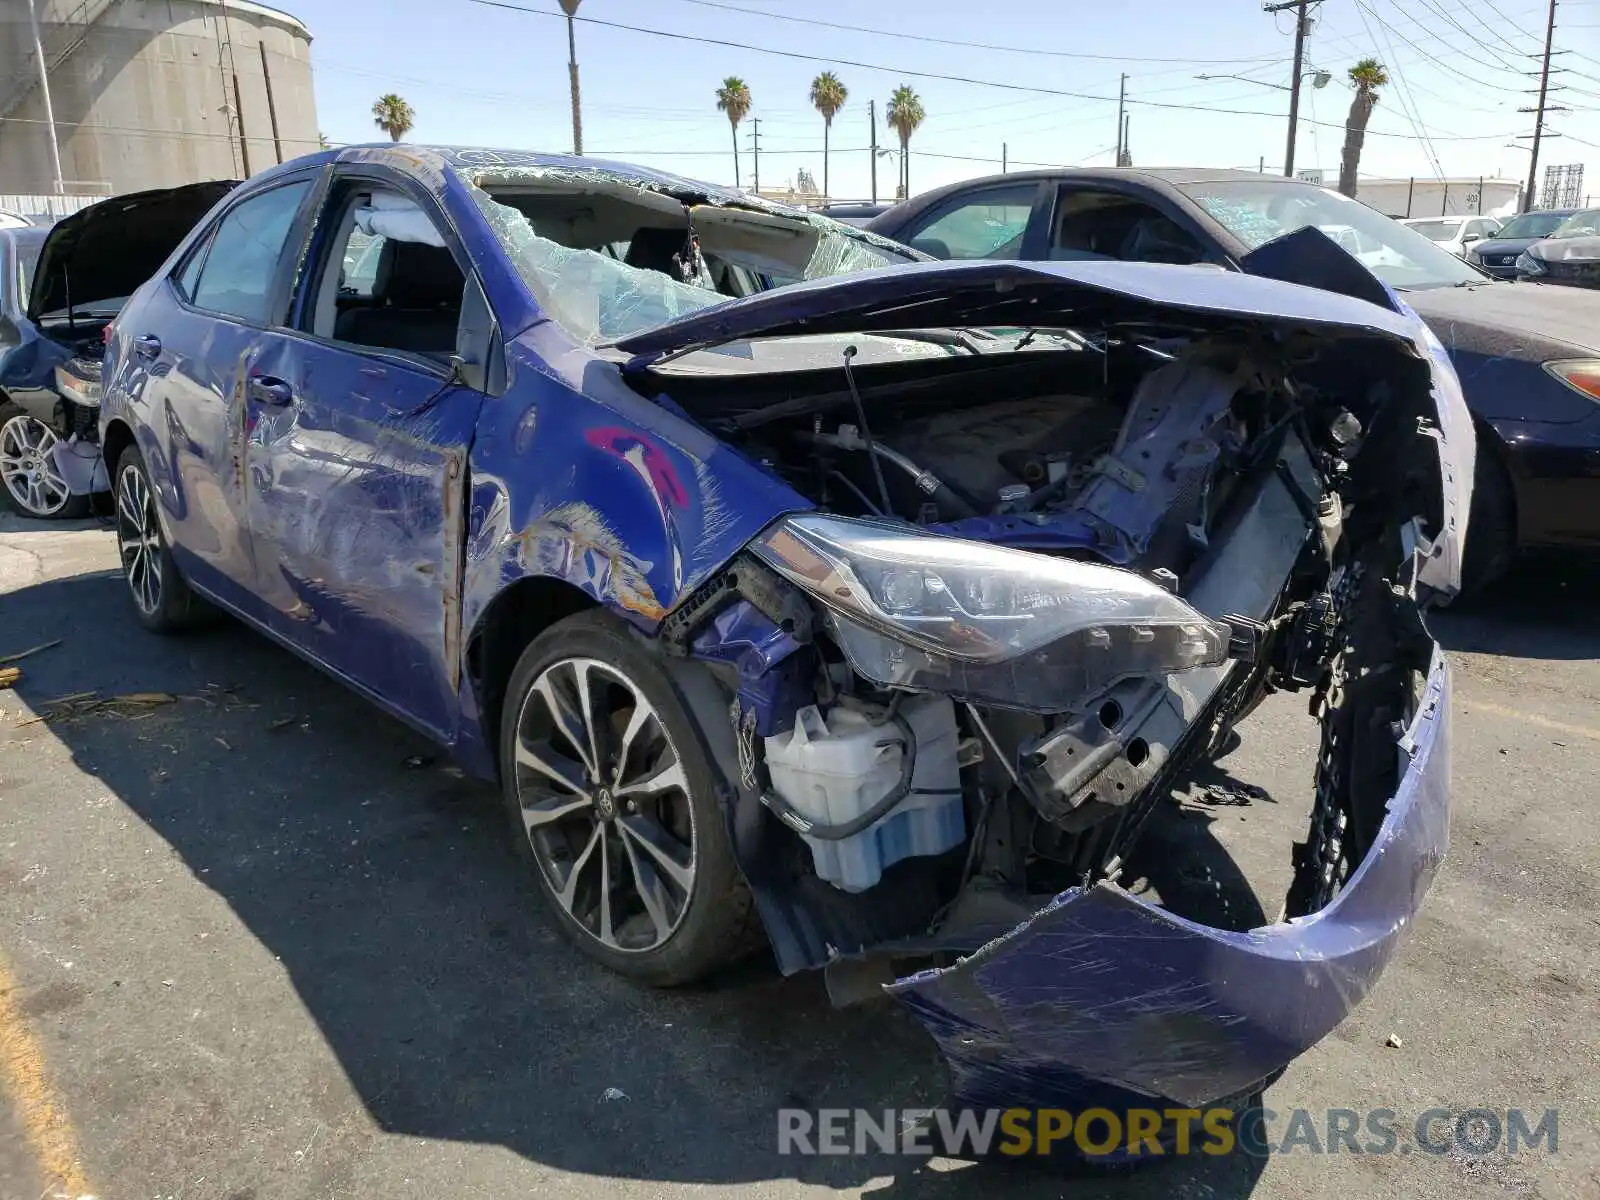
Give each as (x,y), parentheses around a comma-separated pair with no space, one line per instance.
(150,93)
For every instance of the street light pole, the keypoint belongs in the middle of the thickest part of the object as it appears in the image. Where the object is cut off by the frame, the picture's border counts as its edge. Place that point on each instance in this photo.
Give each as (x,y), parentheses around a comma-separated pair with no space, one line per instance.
(1301,9)
(49,109)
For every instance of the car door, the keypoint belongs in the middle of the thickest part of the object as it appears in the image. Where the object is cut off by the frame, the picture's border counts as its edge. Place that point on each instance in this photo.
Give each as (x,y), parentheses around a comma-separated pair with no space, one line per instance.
(357,454)
(989,222)
(194,340)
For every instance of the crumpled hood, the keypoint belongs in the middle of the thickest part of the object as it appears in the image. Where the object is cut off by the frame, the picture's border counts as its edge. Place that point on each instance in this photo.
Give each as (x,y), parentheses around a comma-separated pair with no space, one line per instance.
(1080,294)
(109,249)
(1567,249)
(1532,322)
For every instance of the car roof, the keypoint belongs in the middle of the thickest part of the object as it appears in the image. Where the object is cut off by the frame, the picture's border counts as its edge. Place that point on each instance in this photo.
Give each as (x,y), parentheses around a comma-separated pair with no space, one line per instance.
(412,155)
(1157,176)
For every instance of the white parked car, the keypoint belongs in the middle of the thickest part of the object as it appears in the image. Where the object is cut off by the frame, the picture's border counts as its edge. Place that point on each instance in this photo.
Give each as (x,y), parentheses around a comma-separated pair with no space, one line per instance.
(1455,234)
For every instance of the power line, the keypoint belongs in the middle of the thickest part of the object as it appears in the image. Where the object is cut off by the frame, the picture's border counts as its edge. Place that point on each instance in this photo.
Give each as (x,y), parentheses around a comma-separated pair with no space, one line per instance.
(914,74)
(1408,104)
(964,44)
(1430,57)
(1471,37)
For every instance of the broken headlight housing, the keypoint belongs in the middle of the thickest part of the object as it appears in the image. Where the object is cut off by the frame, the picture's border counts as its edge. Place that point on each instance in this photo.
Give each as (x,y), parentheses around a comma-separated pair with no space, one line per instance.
(79,381)
(1003,627)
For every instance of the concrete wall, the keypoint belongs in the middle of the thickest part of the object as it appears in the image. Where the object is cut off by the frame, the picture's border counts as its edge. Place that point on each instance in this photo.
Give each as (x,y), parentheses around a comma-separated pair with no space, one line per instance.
(1429,197)
(144,92)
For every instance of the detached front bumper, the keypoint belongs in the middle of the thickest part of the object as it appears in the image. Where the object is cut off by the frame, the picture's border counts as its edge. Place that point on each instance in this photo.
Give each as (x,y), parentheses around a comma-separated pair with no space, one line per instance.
(1102,999)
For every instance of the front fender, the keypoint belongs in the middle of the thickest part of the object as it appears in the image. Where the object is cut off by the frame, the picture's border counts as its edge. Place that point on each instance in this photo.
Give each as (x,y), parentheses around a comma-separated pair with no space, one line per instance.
(577,477)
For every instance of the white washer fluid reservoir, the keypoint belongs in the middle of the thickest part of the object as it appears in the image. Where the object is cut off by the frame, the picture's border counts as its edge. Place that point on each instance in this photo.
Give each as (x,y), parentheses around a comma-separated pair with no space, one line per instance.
(833,768)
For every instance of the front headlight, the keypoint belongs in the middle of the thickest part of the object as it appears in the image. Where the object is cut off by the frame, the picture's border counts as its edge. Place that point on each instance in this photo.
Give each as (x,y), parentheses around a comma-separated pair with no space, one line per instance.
(79,382)
(1529,265)
(980,622)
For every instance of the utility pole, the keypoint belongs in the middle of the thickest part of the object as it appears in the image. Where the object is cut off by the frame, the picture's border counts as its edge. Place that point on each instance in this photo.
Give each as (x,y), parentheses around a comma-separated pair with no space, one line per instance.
(1122,99)
(872,116)
(49,109)
(1126,160)
(1538,120)
(1003,156)
(755,145)
(1301,10)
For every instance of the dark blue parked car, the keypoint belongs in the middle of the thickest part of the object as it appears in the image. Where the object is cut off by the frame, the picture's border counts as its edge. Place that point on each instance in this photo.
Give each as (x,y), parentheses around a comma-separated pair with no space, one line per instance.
(59,289)
(796,597)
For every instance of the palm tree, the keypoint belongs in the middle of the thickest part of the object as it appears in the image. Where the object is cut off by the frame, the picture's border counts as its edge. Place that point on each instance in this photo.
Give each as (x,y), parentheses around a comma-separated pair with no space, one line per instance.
(393,115)
(570,7)
(733,98)
(905,114)
(827,97)
(1368,76)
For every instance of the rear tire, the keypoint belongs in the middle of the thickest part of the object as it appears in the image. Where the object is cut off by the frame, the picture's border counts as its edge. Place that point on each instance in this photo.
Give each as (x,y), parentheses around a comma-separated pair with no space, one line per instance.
(614,804)
(161,598)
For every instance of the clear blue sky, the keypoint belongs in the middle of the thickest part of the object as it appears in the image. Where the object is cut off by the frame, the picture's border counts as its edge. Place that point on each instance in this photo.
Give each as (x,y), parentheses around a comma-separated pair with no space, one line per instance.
(486,76)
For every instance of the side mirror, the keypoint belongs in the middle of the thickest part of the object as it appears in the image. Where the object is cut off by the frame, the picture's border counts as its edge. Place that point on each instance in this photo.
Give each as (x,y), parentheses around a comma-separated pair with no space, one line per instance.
(478,344)
(1468,239)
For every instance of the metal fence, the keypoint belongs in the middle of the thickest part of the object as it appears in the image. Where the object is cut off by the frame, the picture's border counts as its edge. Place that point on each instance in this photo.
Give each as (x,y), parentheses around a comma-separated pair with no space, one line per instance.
(46,210)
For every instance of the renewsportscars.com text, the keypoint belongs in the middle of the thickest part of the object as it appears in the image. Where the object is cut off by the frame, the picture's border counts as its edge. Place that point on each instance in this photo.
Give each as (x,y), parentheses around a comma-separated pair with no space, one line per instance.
(1149,1132)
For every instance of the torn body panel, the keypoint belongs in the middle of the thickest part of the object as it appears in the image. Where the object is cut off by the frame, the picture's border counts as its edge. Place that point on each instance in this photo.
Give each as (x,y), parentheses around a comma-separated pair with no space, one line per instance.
(1101,997)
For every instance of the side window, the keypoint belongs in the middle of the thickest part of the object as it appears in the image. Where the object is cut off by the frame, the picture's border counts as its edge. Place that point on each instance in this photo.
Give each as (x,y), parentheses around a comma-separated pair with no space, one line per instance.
(987,224)
(1109,225)
(235,279)
(389,280)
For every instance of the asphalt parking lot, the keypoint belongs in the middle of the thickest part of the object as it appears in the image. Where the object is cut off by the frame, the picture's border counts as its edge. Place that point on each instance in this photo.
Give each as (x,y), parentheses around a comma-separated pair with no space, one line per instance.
(258,941)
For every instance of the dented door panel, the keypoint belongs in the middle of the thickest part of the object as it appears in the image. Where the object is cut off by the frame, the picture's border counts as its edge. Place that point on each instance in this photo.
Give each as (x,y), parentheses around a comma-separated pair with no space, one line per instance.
(355,489)
(191,414)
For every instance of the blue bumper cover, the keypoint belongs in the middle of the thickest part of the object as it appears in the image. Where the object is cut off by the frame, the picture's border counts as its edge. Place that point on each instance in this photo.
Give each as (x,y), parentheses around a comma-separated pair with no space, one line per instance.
(1101,998)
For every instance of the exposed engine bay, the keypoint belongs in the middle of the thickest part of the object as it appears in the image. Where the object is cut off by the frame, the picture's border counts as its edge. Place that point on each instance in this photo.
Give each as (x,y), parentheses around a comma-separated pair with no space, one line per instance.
(1222,472)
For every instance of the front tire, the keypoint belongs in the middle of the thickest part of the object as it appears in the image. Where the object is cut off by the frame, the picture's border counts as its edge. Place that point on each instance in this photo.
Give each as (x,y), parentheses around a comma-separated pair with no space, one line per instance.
(29,481)
(161,599)
(613,802)
(1492,528)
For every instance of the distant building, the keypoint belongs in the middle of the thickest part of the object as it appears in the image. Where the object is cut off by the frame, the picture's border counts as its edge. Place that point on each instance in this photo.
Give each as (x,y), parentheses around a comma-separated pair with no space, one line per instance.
(152,94)
(1425,196)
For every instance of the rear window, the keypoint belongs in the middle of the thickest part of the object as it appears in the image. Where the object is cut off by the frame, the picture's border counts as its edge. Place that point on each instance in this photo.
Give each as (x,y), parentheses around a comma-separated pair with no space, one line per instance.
(1436,231)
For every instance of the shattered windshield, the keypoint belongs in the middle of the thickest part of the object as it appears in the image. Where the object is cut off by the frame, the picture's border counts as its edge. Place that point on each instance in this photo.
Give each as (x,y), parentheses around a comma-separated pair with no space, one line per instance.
(607,257)
(1256,212)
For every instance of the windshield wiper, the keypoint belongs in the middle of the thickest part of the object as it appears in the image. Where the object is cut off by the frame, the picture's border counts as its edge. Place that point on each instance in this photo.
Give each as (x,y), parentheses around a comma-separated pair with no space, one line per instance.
(939,337)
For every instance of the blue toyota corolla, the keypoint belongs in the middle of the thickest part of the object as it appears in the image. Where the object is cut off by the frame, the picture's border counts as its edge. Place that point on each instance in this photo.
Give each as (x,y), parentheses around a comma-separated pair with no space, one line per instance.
(798,593)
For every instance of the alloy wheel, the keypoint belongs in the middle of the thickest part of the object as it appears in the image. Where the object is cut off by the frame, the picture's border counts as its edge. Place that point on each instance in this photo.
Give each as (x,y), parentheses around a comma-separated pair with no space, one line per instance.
(28,469)
(605,803)
(139,539)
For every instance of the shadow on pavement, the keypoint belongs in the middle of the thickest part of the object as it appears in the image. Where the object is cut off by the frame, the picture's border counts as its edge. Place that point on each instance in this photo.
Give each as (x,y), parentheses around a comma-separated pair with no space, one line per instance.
(387,886)
(1545,608)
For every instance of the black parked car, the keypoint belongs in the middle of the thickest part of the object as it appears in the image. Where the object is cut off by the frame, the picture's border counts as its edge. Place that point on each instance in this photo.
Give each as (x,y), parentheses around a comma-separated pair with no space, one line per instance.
(855,212)
(1528,356)
(1498,254)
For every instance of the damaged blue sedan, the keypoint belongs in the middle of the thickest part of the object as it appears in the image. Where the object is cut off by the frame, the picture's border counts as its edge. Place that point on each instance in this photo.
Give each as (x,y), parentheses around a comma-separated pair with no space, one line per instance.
(800,593)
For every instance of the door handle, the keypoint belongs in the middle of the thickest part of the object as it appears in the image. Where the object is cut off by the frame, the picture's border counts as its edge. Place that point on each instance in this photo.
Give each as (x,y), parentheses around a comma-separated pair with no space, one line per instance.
(269,389)
(147,345)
